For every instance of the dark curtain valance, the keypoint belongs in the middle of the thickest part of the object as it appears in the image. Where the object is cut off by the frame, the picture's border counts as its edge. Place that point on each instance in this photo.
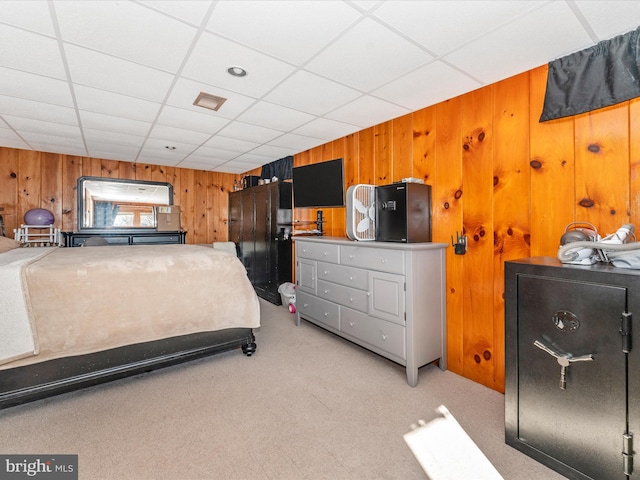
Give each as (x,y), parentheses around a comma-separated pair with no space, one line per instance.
(596,77)
(283,169)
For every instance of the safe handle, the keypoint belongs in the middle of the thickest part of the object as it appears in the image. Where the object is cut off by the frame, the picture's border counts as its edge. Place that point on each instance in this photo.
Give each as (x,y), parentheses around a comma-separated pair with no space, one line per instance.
(564,360)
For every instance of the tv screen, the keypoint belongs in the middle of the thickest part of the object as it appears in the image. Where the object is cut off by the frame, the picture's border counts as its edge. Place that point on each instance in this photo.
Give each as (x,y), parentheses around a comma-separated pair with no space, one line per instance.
(319,184)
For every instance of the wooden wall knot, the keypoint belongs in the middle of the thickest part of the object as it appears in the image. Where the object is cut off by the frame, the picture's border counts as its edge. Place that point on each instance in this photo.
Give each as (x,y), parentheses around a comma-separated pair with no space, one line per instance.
(594,148)
(586,203)
(535,164)
(457,194)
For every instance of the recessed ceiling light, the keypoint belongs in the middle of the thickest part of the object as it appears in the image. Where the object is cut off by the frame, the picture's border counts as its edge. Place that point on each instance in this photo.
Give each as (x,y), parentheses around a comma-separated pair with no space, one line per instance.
(212,102)
(237,71)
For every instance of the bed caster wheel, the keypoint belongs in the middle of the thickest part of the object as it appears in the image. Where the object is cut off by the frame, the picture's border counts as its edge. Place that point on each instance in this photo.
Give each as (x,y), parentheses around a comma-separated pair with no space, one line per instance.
(292,308)
(249,349)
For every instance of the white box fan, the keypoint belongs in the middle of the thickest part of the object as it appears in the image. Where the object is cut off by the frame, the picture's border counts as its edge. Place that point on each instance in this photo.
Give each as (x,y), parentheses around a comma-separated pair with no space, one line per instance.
(361,212)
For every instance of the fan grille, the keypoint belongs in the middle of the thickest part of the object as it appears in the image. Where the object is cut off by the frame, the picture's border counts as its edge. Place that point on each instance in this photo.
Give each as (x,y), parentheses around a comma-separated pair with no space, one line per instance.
(361,212)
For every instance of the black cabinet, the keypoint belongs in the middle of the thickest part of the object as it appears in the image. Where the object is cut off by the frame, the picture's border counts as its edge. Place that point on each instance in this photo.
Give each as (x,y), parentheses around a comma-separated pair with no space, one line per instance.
(572,396)
(260,226)
(76,239)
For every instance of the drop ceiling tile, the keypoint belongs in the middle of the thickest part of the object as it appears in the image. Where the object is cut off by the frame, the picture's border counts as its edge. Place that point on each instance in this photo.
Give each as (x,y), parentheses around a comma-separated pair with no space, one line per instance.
(24,125)
(311,93)
(34,87)
(326,129)
(126,30)
(274,152)
(263,72)
(232,168)
(116,139)
(445,25)
(109,123)
(217,153)
(194,121)
(55,147)
(605,25)
(197,165)
(189,137)
(109,103)
(39,138)
(157,145)
(296,142)
(367,111)
(33,15)
(97,70)
(186,91)
(245,131)
(191,11)
(111,151)
(210,160)
(37,110)
(276,116)
(274,24)
(509,50)
(368,56)
(30,52)
(232,144)
(252,160)
(9,138)
(426,86)
(152,158)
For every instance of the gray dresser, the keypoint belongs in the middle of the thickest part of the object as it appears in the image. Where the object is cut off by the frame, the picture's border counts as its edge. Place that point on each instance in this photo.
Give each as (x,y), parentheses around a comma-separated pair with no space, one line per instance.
(386,297)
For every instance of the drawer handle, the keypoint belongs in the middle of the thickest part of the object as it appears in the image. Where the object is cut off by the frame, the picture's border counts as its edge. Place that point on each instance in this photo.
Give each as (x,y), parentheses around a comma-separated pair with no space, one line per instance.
(352,324)
(325,272)
(384,337)
(351,299)
(326,291)
(305,305)
(352,278)
(326,314)
(325,253)
(384,260)
(351,257)
(304,250)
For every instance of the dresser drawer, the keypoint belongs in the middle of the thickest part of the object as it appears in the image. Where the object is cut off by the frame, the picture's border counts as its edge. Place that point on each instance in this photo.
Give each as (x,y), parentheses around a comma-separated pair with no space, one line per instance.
(383,335)
(380,259)
(318,251)
(349,297)
(348,276)
(314,308)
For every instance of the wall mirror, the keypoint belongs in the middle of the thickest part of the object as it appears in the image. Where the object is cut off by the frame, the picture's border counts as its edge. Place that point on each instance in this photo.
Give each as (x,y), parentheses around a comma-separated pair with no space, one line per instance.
(110,204)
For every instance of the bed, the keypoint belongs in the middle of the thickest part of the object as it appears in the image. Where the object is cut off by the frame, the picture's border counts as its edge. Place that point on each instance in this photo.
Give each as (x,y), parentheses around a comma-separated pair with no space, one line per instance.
(76,317)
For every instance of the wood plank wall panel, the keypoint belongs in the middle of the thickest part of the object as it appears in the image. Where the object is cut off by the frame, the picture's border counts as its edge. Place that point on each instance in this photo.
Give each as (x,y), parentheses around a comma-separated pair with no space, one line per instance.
(447,203)
(602,167)
(37,179)
(510,194)
(478,297)
(634,162)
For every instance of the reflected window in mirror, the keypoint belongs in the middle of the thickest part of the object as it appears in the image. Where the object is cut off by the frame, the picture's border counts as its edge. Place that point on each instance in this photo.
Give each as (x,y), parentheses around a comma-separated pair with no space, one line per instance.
(108,204)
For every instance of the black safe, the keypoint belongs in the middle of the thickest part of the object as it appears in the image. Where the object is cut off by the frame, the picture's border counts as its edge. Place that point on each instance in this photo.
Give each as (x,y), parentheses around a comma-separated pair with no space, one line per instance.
(403,212)
(572,393)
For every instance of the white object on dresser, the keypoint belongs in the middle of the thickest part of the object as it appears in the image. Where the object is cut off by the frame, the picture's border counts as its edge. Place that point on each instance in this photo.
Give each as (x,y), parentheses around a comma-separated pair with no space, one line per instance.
(387,297)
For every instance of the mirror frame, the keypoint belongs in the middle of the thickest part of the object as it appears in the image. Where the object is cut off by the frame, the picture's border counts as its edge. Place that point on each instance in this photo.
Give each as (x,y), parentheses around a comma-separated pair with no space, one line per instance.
(80,188)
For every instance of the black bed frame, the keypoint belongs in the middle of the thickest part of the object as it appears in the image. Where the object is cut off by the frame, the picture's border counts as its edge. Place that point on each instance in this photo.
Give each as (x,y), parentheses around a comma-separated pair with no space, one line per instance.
(53,377)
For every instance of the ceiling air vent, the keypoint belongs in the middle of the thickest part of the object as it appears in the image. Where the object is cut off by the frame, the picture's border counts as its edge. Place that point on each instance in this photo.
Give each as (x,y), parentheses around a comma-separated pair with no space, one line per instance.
(212,102)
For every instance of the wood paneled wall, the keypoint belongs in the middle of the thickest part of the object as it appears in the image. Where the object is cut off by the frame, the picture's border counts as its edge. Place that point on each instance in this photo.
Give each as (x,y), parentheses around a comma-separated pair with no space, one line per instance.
(510,183)
(31,179)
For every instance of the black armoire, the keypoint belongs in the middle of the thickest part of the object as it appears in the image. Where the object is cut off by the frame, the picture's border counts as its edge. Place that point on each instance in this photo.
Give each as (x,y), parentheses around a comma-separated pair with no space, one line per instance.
(572,390)
(260,226)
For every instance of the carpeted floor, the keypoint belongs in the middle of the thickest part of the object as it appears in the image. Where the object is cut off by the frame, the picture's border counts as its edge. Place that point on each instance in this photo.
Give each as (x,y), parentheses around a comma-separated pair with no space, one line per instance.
(307,405)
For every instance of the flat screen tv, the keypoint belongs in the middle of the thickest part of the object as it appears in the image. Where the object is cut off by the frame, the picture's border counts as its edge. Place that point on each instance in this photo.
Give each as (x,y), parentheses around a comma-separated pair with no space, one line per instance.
(319,185)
